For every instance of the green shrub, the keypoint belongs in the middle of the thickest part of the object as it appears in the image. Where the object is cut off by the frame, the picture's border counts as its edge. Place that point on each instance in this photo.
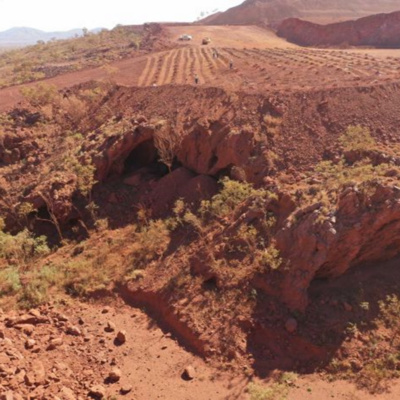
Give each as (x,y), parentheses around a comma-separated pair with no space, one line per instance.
(9,281)
(231,195)
(22,247)
(276,391)
(84,276)
(39,282)
(357,138)
(40,95)
(270,257)
(151,241)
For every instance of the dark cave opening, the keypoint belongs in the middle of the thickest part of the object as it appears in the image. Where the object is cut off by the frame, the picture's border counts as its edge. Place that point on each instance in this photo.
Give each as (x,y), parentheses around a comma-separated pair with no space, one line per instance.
(145,155)
(141,156)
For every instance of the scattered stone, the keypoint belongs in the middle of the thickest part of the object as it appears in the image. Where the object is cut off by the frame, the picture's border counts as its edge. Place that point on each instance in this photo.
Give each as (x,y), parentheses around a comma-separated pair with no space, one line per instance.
(27,320)
(141,119)
(106,310)
(126,389)
(110,327)
(7,342)
(114,375)
(36,313)
(14,354)
(54,343)
(37,375)
(4,359)
(189,373)
(28,329)
(291,325)
(30,344)
(97,392)
(7,396)
(66,394)
(61,318)
(73,330)
(121,337)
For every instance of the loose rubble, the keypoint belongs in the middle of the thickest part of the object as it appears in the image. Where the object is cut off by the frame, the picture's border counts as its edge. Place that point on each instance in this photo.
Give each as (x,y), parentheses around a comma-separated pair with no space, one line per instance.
(45,355)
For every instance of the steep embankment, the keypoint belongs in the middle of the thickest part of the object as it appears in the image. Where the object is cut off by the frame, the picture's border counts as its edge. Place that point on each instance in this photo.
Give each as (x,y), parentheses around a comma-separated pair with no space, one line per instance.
(224,264)
(382,30)
(272,12)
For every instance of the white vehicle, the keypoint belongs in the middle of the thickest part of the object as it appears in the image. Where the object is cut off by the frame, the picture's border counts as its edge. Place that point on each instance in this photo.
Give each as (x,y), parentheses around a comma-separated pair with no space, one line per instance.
(185,37)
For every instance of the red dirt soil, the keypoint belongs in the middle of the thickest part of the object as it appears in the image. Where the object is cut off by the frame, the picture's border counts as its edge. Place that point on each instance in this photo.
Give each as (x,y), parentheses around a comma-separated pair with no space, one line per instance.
(151,361)
(269,63)
(276,98)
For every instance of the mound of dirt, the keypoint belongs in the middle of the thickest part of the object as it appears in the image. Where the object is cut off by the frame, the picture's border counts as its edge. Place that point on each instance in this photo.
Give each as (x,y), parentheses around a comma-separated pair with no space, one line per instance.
(323,11)
(382,31)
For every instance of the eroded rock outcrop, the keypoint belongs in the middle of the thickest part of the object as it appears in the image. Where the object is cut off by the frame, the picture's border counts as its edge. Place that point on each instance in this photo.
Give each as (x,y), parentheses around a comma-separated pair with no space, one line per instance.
(365,227)
(382,30)
(271,12)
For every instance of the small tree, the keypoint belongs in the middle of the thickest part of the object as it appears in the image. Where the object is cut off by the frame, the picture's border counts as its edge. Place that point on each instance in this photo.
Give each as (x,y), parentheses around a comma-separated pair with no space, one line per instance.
(167,142)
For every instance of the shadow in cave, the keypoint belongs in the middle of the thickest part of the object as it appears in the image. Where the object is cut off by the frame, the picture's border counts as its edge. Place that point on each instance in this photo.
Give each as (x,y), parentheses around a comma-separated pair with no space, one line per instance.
(144,155)
(132,177)
(337,307)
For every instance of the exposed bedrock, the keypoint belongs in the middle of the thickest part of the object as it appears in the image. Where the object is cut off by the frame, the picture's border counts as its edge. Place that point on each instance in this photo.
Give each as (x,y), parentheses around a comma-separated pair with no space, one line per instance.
(381,30)
(365,228)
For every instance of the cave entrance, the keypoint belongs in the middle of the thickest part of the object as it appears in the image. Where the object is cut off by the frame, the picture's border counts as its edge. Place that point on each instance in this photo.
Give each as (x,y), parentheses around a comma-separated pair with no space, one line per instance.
(144,155)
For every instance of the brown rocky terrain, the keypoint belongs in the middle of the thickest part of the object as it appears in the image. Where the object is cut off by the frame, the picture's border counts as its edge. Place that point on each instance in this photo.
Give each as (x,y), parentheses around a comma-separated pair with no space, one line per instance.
(379,31)
(272,12)
(91,351)
(245,229)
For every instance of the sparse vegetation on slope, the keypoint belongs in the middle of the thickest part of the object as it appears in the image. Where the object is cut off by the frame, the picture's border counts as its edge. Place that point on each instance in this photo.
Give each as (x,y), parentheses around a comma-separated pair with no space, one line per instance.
(210,221)
(45,60)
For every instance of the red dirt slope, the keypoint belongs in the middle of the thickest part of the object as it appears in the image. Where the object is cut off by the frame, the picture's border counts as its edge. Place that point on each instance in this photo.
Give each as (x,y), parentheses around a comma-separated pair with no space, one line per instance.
(272,12)
(382,30)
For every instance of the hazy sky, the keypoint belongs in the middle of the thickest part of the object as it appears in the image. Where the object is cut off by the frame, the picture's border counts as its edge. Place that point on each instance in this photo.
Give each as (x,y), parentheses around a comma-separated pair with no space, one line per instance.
(55,15)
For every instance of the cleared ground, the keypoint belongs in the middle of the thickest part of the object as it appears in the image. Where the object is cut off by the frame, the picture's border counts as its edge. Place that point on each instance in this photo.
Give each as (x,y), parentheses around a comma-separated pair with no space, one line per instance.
(261,61)
(231,36)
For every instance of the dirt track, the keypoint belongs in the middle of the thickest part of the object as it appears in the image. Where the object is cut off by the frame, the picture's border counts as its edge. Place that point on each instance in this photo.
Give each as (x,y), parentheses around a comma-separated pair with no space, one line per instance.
(231,36)
(261,61)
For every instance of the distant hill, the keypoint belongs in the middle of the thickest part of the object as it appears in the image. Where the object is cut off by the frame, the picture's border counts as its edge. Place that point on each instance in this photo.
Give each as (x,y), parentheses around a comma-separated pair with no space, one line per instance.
(26,36)
(272,12)
(381,30)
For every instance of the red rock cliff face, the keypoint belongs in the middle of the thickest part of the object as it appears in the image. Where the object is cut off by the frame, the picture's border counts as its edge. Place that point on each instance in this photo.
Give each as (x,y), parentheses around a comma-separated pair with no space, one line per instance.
(363,229)
(381,30)
(272,12)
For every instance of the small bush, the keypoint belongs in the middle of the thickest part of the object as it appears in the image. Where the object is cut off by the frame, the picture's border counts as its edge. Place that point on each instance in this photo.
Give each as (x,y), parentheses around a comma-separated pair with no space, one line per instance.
(270,257)
(276,391)
(151,241)
(85,276)
(357,138)
(22,247)
(231,195)
(40,95)
(9,281)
